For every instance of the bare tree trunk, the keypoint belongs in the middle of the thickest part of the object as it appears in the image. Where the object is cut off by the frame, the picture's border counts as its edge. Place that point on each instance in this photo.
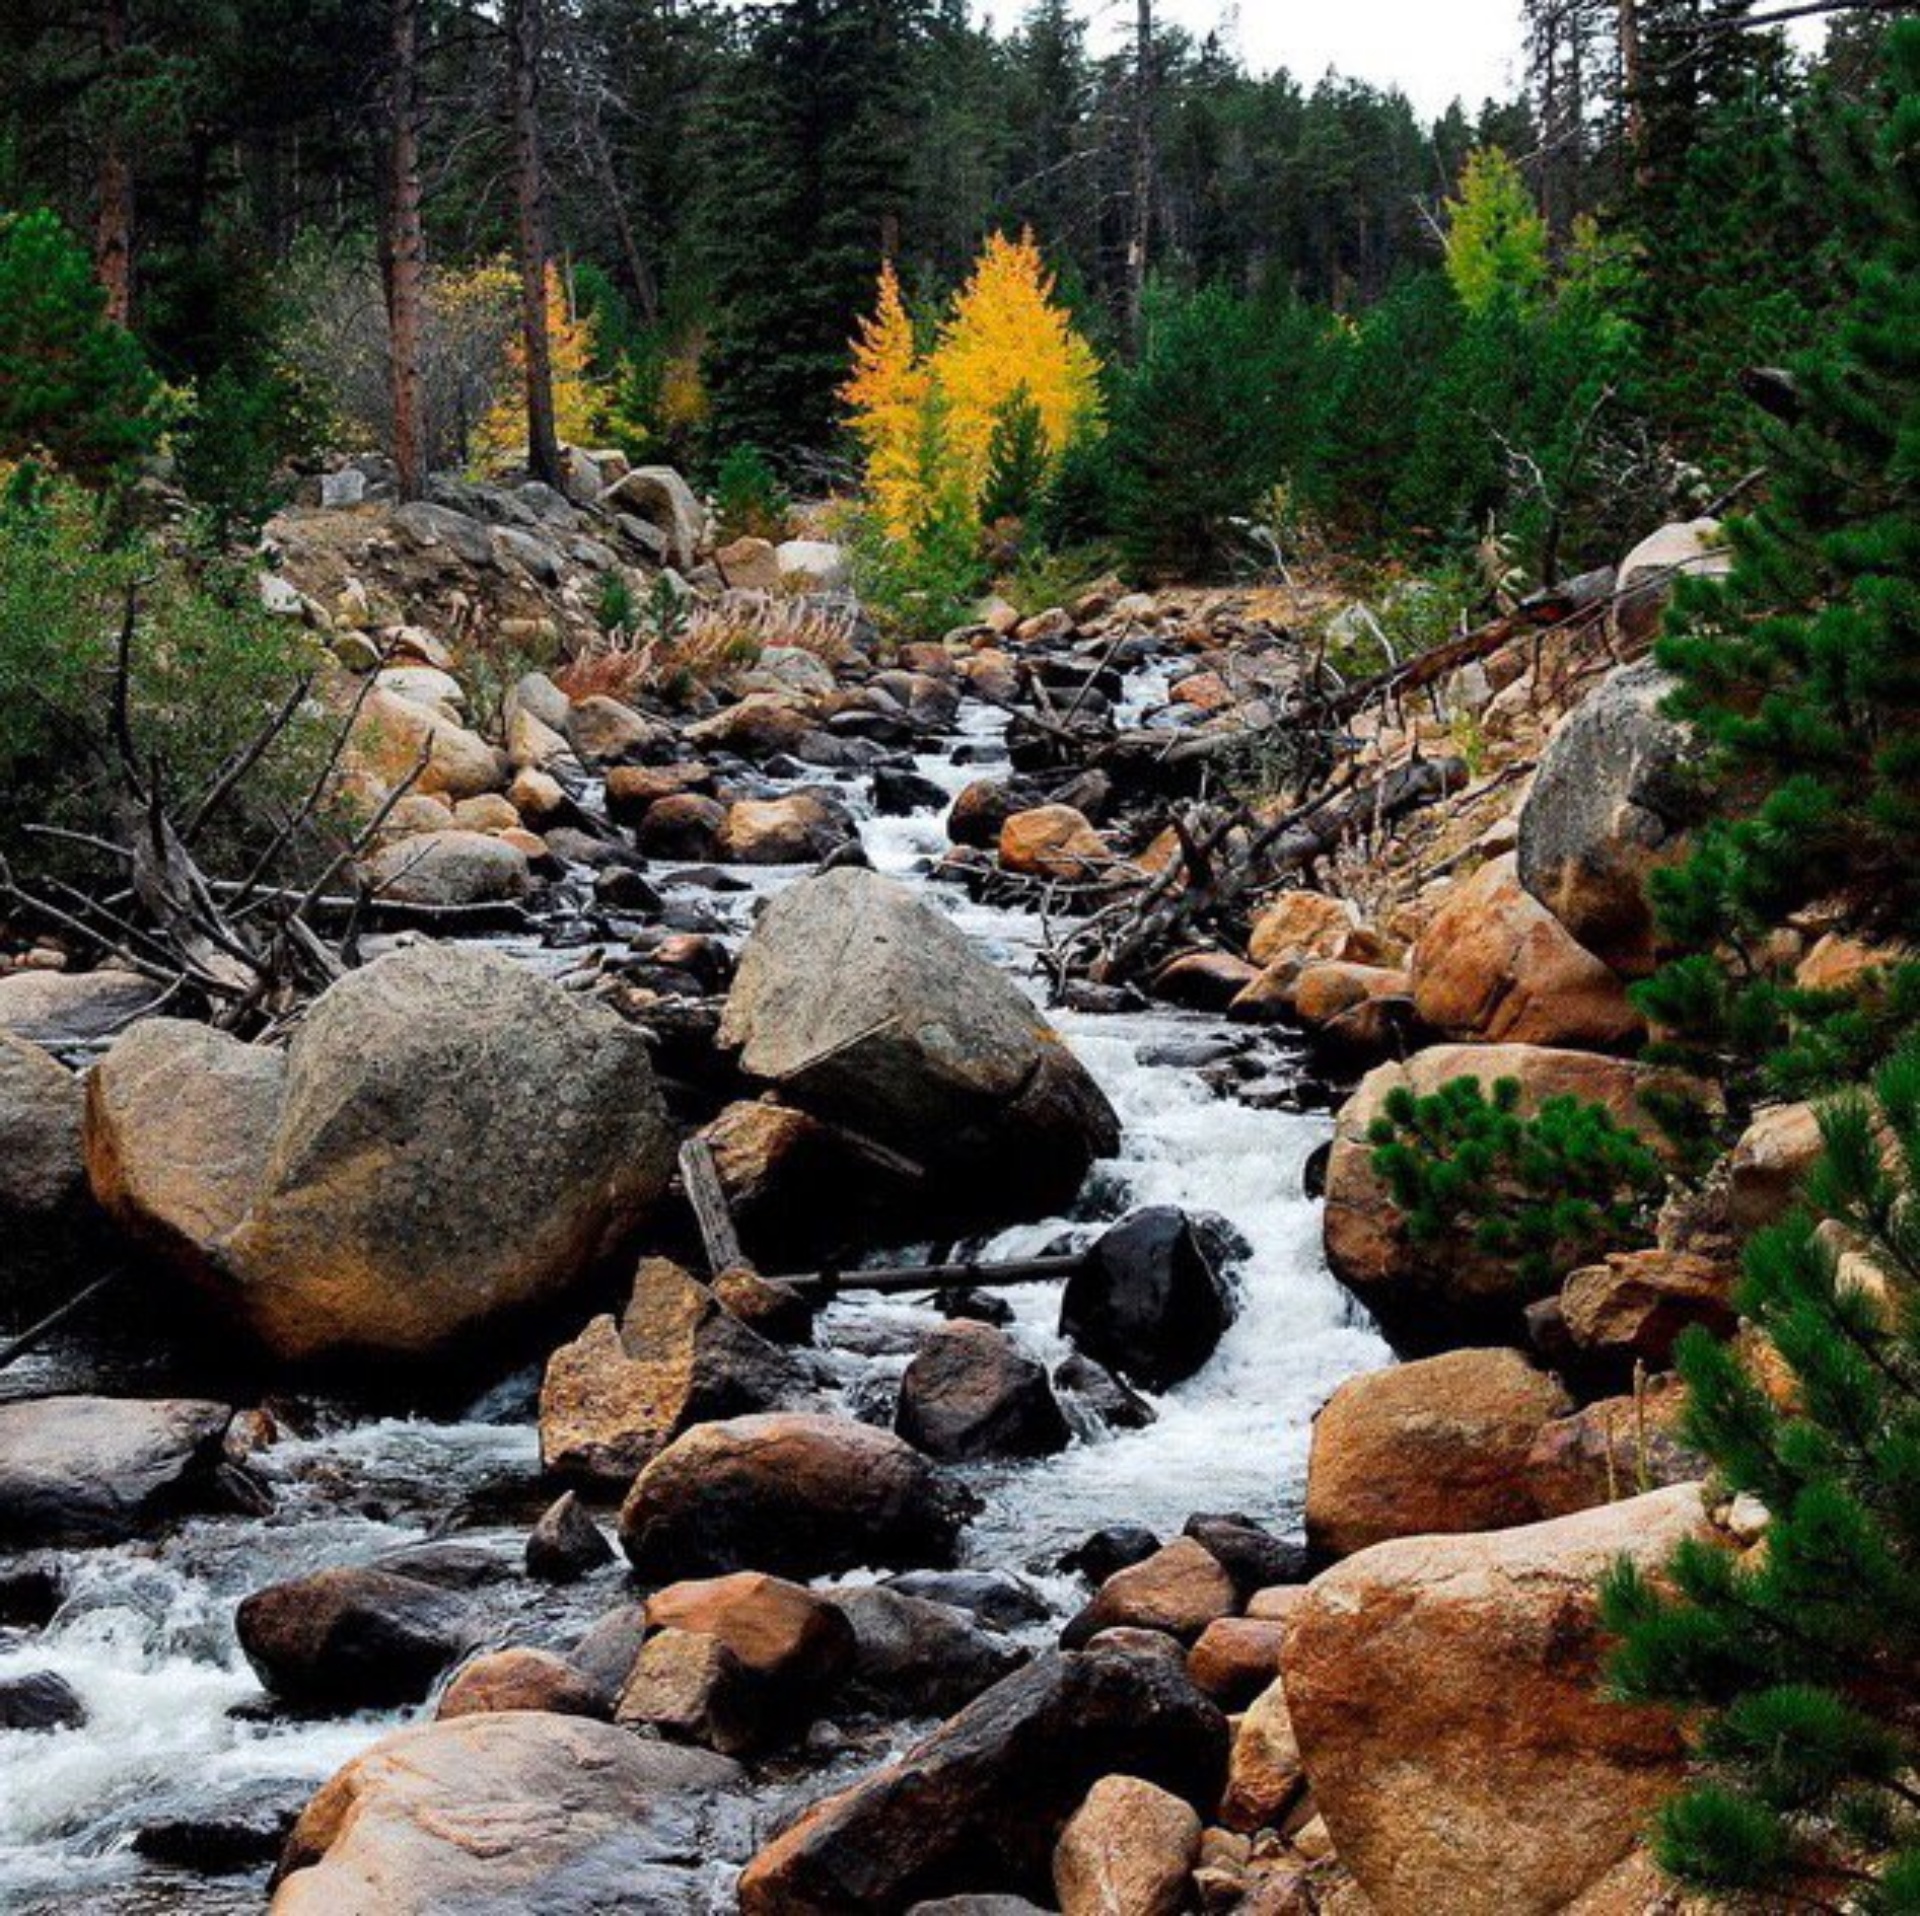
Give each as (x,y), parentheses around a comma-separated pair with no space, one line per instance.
(524,22)
(406,251)
(646,290)
(1631,78)
(113,231)
(1140,242)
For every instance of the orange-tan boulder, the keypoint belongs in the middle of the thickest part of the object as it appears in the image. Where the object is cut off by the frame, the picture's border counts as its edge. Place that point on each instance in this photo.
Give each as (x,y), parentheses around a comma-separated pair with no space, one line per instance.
(1615,1448)
(1446,1696)
(1495,965)
(1265,1779)
(520,1679)
(1180,1589)
(1054,841)
(1309,927)
(1633,1306)
(1769,1164)
(1436,1445)
(1128,1850)
(1236,1658)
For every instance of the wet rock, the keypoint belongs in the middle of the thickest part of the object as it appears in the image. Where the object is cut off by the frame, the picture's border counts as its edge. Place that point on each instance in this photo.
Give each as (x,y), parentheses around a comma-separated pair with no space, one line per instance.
(981,811)
(40,1701)
(1462,1675)
(1265,1780)
(353,1638)
(44,1200)
(791,1647)
(776,1309)
(634,790)
(1432,1295)
(62,1009)
(522,1810)
(1235,1658)
(867,1007)
(896,793)
(997,1597)
(761,726)
(460,1140)
(1204,980)
(1129,1847)
(76,1471)
(1099,1391)
(1180,1589)
(971,1392)
(566,1544)
(977,1906)
(1496,966)
(983,1799)
(447,1565)
(1109,1550)
(794,1493)
(1248,1551)
(798,829)
(621,1391)
(1609,805)
(1148,1302)
(605,1656)
(449,868)
(913,1657)
(245,1834)
(688,1687)
(30,1594)
(1432,1446)
(683,825)
(521,1679)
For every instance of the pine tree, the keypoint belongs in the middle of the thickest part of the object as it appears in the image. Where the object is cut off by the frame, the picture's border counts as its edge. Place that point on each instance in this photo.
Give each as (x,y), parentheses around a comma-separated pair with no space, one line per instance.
(1017,462)
(72,384)
(1798,1661)
(1802,669)
(1496,238)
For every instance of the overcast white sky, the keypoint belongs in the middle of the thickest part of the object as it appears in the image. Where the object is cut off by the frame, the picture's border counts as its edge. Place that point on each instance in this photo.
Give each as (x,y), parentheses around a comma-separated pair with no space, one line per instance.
(1434,50)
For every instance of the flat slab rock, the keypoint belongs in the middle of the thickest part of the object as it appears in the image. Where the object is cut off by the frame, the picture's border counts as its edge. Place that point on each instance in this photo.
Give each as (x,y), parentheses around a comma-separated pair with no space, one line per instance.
(96,1470)
(517,1811)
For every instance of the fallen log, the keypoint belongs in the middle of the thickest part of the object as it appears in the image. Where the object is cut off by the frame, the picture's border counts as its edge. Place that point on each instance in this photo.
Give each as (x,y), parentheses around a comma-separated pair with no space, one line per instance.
(899,1279)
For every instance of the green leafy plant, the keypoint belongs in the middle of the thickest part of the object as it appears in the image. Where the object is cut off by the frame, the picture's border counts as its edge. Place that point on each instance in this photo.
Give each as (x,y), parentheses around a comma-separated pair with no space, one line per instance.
(1551,1191)
(1798,1662)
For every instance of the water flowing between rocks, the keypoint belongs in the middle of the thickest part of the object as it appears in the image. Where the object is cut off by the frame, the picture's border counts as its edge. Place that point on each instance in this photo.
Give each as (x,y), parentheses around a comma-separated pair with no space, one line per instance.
(178,1726)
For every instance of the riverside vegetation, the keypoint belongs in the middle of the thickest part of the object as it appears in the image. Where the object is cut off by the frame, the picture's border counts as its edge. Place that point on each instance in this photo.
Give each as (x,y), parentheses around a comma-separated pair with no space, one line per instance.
(916,1050)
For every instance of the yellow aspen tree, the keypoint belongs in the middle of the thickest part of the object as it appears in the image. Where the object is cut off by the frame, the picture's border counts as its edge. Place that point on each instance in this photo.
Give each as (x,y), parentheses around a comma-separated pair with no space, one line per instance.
(887,397)
(1007,333)
(580,401)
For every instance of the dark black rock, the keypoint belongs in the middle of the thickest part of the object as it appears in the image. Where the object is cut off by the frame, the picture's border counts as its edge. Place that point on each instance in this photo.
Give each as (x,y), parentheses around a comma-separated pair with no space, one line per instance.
(624,888)
(897,792)
(605,1656)
(971,1392)
(980,1307)
(447,1566)
(241,1836)
(40,1701)
(997,1597)
(1114,1548)
(1249,1552)
(913,1657)
(566,1543)
(1149,1302)
(1116,1405)
(30,1593)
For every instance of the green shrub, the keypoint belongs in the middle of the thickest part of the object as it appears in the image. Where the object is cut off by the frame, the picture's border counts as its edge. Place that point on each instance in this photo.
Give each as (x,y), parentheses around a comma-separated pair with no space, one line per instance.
(207,669)
(1798,1663)
(1551,1192)
(748,494)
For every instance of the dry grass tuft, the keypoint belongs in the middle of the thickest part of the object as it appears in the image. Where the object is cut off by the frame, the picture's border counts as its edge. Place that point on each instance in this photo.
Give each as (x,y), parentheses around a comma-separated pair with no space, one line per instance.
(717,640)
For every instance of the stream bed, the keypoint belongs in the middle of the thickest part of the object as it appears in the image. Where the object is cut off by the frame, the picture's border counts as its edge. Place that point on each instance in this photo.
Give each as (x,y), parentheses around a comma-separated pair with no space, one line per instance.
(1216,1119)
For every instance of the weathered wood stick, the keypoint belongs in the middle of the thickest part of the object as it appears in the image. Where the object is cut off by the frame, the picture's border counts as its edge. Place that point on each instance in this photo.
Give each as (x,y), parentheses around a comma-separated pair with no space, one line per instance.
(701,1177)
(906,1278)
(38,1333)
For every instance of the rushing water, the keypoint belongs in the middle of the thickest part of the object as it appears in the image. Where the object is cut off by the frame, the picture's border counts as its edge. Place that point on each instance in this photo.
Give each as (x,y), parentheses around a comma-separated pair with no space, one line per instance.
(177,1727)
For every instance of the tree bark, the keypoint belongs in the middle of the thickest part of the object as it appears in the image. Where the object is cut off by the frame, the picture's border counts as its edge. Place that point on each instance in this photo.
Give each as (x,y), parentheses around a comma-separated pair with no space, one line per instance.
(1140,242)
(525,24)
(406,251)
(113,231)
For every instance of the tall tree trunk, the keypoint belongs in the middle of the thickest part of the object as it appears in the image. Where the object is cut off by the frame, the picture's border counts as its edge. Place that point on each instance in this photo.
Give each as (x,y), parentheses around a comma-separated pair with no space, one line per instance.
(646,290)
(1140,240)
(406,250)
(524,24)
(113,230)
(1631,80)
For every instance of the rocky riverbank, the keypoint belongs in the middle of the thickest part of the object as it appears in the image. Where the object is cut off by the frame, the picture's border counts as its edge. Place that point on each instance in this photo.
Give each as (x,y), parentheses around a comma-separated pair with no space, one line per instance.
(595,1549)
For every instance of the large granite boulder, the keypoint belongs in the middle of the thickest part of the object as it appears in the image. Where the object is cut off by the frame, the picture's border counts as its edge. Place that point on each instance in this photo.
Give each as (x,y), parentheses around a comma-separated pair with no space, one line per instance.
(659,497)
(1437,1445)
(44,1201)
(1496,966)
(449,1139)
(512,1810)
(867,1007)
(62,1009)
(1446,1696)
(1609,805)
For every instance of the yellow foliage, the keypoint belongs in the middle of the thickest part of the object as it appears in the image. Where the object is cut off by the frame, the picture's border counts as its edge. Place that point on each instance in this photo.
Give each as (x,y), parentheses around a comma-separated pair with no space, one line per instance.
(927,422)
(888,395)
(580,401)
(1005,334)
